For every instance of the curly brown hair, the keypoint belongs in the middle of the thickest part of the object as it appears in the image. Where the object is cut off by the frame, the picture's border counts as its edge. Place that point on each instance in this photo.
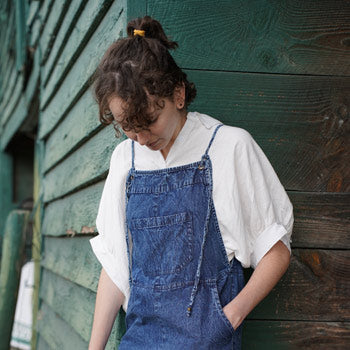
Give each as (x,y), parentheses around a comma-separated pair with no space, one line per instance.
(134,67)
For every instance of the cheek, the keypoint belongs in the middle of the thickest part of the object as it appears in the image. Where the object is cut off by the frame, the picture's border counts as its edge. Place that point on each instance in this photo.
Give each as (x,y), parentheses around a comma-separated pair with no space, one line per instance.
(131,135)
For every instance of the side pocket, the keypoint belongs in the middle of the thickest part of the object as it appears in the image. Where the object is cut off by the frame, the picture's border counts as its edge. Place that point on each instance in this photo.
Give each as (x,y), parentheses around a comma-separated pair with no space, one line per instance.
(220,312)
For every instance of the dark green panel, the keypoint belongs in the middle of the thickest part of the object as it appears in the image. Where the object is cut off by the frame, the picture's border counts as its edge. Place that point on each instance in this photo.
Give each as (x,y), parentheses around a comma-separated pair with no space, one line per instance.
(78,169)
(316,286)
(56,332)
(12,259)
(73,214)
(135,8)
(21,35)
(73,259)
(301,122)
(303,37)
(78,61)
(75,305)
(6,193)
(295,335)
(322,220)
(72,268)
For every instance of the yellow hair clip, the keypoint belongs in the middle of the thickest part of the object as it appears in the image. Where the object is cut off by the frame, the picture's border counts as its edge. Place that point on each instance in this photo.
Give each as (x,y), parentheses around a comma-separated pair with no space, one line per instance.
(139,32)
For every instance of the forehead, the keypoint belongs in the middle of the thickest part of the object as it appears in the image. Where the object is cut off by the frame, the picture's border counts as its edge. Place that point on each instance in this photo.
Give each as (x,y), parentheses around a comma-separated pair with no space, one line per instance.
(117,106)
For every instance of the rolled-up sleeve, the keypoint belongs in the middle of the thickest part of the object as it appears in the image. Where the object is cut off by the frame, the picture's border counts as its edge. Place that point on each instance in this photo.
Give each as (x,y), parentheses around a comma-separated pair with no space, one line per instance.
(266,208)
(109,246)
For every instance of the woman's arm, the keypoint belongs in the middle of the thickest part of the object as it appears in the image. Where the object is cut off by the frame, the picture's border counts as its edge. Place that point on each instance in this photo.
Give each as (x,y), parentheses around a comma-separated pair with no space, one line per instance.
(267,273)
(108,302)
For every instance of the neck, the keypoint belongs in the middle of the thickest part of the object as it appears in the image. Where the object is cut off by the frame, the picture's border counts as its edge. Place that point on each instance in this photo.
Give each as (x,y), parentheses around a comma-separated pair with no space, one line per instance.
(182,120)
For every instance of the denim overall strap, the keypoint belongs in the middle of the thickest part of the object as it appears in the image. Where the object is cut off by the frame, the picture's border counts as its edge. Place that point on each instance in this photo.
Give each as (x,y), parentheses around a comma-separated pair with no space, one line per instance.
(133,155)
(177,255)
(212,138)
(210,203)
(127,185)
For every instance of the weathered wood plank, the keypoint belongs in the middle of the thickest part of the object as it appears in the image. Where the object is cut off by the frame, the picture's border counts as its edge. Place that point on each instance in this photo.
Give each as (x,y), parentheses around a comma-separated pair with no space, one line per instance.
(134,9)
(40,22)
(6,190)
(75,305)
(12,258)
(299,37)
(32,12)
(20,34)
(42,345)
(301,122)
(77,127)
(315,287)
(13,99)
(22,106)
(83,30)
(73,259)
(35,33)
(14,122)
(322,220)
(8,82)
(78,170)
(295,335)
(304,138)
(8,42)
(73,214)
(56,332)
(48,36)
(69,22)
(75,80)
(37,235)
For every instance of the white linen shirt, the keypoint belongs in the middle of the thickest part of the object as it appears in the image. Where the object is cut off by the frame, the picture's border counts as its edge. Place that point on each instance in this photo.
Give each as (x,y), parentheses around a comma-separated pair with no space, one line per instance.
(252,207)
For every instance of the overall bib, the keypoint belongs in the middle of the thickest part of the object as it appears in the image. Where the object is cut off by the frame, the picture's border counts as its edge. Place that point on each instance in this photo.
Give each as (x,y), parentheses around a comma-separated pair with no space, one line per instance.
(180,276)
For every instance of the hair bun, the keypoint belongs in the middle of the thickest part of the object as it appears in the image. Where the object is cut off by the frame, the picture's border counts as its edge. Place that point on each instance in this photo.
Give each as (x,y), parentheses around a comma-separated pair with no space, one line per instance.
(153,29)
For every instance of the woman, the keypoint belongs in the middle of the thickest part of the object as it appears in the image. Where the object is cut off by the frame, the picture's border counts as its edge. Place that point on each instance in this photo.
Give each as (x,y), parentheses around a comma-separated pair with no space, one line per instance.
(187,203)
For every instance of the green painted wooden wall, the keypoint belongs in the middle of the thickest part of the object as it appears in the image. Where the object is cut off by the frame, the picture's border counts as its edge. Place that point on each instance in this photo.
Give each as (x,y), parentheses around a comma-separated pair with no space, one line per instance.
(278,68)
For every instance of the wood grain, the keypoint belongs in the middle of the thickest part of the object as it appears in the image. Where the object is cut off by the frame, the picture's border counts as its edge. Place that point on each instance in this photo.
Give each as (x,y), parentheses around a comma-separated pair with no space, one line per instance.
(73,259)
(42,345)
(54,21)
(56,332)
(322,220)
(68,84)
(298,37)
(302,123)
(77,127)
(315,287)
(65,29)
(75,305)
(73,214)
(81,31)
(78,170)
(295,335)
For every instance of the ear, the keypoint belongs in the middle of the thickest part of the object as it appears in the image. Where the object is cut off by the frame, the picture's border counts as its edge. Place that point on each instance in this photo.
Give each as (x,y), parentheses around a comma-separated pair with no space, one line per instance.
(179,96)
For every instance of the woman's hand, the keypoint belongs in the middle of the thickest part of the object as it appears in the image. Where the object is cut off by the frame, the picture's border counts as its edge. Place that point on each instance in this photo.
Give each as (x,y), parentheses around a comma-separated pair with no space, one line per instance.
(234,315)
(266,275)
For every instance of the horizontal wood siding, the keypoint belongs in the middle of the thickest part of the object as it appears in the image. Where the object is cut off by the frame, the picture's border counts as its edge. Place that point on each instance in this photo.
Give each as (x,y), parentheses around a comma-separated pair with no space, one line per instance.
(75,164)
(301,122)
(280,69)
(278,36)
(277,68)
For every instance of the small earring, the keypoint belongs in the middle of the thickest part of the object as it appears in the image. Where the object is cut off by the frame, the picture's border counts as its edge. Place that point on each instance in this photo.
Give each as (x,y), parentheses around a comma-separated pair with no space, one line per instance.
(181,104)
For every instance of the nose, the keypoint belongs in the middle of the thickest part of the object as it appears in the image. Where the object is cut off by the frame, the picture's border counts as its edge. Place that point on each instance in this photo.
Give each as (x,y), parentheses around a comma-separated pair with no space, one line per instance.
(142,137)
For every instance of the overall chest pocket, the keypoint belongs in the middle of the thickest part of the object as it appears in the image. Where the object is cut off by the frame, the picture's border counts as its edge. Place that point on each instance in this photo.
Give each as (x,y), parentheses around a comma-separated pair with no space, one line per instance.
(162,244)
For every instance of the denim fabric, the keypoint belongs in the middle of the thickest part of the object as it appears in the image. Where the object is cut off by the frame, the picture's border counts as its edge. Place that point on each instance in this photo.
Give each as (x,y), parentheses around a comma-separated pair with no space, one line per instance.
(180,276)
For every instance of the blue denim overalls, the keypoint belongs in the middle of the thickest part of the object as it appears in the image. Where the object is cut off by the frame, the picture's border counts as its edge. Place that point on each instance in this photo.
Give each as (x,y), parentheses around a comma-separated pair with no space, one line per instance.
(180,276)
